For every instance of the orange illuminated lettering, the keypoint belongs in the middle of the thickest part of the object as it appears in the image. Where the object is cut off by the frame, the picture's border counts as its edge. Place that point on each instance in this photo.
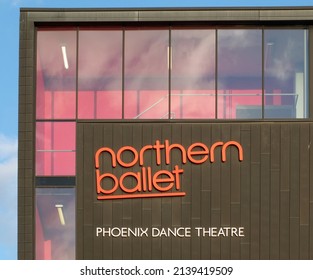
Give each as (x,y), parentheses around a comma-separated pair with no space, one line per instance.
(146,182)
(119,158)
(168,149)
(203,152)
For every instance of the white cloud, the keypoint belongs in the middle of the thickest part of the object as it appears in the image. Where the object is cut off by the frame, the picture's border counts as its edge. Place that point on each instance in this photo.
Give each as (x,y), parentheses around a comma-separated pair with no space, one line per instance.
(19,3)
(16,2)
(8,147)
(8,197)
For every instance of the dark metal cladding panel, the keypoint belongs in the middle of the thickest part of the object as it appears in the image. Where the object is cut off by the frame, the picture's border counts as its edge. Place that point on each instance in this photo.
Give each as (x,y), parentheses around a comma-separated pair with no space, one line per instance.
(311,232)
(205,216)
(311,195)
(304,241)
(245,190)
(79,15)
(195,133)
(80,196)
(97,252)
(199,15)
(97,207)
(235,182)
(136,206)
(295,192)
(275,190)
(166,220)
(304,190)
(156,215)
(186,242)
(88,196)
(146,212)
(165,15)
(216,195)
(26,235)
(205,197)
(290,14)
(284,192)
(235,246)
(267,193)
(118,140)
(304,174)
(225,191)
(255,179)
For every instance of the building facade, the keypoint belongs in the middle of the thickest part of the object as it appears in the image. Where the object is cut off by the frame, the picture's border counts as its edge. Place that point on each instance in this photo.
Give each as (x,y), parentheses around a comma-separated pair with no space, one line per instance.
(165,134)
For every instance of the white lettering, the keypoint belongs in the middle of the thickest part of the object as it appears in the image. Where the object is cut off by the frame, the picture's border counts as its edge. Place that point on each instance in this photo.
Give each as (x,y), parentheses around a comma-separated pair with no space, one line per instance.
(167,232)
(222,231)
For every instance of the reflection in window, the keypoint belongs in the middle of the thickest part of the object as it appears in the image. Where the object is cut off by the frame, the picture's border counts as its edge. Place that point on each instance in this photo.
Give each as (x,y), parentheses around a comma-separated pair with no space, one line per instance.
(285,58)
(239,73)
(193,74)
(55,148)
(100,74)
(171,73)
(146,74)
(56,74)
(55,223)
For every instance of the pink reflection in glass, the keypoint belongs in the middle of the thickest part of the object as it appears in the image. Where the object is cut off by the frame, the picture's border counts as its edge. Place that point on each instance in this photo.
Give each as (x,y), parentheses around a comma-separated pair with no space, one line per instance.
(100,74)
(55,148)
(86,105)
(100,105)
(56,74)
(56,105)
(193,73)
(190,104)
(146,74)
(55,224)
(55,136)
(52,163)
(146,104)
(240,104)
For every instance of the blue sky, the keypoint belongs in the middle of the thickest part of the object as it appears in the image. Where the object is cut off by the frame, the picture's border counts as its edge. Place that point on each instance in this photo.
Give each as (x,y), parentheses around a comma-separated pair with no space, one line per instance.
(9,34)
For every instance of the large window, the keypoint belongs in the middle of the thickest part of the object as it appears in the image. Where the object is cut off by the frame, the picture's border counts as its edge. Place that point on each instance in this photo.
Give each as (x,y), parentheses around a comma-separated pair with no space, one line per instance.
(56,107)
(55,223)
(239,73)
(100,74)
(192,68)
(56,74)
(285,74)
(146,75)
(172,73)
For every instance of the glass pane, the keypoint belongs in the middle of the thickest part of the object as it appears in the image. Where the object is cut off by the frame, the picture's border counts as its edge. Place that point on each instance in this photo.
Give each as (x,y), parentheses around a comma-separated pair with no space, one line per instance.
(100,74)
(53,163)
(55,148)
(56,74)
(285,69)
(55,224)
(146,74)
(193,74)
(239,74)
